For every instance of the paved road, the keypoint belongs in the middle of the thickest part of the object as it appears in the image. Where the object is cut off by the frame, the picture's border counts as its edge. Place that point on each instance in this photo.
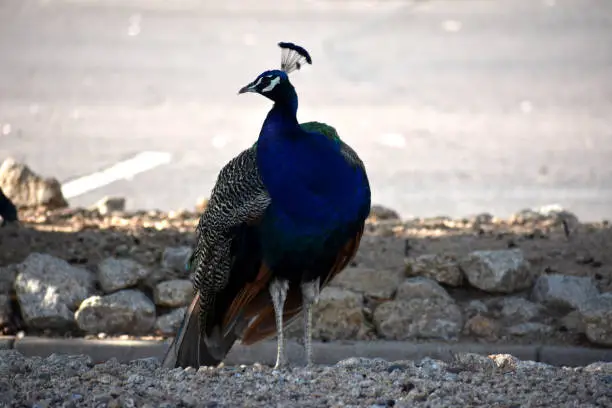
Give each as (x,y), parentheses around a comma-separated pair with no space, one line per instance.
(457,106)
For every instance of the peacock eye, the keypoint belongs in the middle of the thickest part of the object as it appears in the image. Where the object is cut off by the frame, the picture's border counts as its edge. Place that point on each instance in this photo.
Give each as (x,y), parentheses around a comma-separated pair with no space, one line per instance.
(265,81)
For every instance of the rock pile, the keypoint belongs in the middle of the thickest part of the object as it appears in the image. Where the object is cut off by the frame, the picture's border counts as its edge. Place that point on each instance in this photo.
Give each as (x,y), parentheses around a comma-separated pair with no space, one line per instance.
(398,287)
(120,296)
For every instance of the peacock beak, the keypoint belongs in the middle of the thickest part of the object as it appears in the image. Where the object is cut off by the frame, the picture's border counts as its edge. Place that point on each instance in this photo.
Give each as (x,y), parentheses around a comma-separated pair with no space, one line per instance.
(252,87)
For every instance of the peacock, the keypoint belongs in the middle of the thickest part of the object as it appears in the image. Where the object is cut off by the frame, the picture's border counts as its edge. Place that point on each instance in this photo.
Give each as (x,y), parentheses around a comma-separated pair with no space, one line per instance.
(8,211)
(284,217)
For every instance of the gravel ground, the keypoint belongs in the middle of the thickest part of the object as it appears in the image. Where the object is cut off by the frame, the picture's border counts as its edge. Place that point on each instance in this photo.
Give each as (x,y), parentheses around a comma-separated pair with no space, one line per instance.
(471,380)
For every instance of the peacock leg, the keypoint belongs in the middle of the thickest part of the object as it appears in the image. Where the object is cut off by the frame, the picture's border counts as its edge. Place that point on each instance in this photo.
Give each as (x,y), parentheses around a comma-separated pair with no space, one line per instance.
(278,293)
(310,296)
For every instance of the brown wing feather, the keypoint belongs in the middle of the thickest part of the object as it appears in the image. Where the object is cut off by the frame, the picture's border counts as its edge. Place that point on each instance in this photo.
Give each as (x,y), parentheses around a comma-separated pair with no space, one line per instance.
(264,325)
(246,295)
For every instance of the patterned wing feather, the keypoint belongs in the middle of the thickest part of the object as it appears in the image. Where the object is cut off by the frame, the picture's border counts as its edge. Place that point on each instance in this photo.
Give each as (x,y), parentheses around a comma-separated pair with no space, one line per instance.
(225,263)
(238,198)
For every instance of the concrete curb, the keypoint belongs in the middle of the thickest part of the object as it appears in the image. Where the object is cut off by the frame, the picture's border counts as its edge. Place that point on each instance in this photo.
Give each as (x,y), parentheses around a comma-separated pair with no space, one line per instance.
(324,353)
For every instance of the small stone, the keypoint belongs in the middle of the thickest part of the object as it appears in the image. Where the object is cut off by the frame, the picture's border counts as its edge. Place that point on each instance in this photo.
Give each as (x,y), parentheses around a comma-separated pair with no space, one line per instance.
(421,288)
(563,292)
(482,326)
(160,274)
(176,258)
(435,318)
(475,307)
(169,323)
(126,311)
(49,289)
(473,362)
(442,268)
(174,293)
(115,274)
(505,362)
(524,329)
(504,271)
(597,315)
(380,284)
(383,213)
(109,205)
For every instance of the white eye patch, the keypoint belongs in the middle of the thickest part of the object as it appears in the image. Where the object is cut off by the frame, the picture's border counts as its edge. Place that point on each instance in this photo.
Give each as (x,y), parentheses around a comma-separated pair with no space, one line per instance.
(273,82)
(256,84)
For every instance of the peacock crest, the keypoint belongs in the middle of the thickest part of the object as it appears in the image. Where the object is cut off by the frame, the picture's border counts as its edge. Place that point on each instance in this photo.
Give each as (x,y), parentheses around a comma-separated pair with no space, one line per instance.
(293,56)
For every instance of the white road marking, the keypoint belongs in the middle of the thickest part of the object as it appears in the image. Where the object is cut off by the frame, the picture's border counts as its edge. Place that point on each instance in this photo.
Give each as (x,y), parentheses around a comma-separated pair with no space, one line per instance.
(123,170)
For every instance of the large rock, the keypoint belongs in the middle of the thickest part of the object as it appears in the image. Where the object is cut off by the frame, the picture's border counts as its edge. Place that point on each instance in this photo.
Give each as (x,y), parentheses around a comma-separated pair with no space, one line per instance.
(421,288)
(563,292)
(127,311)
(519,310)
(160,274)
(169,323)
(173,293)
(435,318)
(503,271)
(49,290)
(27,189)
(597,315)
(115,274)
(338,315)
(373,283)
(482,326)
(442,268)
(573,321)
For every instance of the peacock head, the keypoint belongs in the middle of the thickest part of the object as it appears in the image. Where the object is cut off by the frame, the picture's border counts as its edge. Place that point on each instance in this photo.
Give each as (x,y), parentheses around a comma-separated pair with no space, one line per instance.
(274,84)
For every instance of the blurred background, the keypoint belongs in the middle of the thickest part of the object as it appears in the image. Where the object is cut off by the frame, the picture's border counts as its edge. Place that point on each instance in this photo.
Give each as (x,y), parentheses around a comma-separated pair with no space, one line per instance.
(456,106)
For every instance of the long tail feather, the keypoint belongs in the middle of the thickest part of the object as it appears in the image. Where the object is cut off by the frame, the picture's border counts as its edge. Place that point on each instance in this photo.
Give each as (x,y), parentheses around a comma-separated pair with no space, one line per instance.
(190,348)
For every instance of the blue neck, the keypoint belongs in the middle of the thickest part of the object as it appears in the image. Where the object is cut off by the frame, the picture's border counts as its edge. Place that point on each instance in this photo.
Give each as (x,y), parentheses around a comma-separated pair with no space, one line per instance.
(281,119)
(310,183)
